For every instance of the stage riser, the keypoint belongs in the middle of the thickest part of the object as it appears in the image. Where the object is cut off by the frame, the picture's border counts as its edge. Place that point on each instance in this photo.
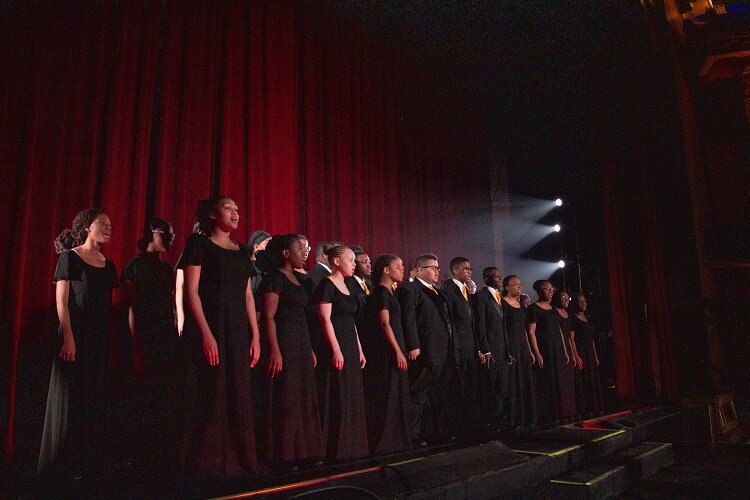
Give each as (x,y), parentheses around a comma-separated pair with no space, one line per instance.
(592,483)
(644,460)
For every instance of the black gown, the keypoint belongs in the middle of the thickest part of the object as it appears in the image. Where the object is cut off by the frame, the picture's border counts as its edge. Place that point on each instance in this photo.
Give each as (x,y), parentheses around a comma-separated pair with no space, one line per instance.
(342,403)
(551,348)
(291,427)
(567,374)
(522,393)
(387,389)
(218,438)
(591,389)
(77,399)
(153,312)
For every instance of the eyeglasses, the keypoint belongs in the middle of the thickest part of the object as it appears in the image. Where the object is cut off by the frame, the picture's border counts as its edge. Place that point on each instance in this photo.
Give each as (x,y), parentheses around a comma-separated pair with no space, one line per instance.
(436,268)
(546,289)
(466,269)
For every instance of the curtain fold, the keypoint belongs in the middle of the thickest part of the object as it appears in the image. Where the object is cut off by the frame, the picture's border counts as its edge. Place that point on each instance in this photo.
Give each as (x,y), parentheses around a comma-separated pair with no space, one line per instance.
(310,121)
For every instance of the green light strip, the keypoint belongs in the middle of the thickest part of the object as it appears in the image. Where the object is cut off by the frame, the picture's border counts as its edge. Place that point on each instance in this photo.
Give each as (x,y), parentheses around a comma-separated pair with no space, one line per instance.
(602,438)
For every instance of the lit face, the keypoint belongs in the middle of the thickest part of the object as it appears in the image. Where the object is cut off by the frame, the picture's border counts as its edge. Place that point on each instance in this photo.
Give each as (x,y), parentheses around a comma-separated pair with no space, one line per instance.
(494,279)
(564,300)
(226,216)
(582,304)
(295,254)
(463,272)
(306,248)
(345,263)
(429,272)
(100,229)
(395,270)
(364,266)
(514,287)
(546,292)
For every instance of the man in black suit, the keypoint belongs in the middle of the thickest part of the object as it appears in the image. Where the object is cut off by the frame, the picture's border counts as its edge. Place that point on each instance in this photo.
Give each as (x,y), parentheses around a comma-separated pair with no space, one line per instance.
(458,291)
(429,336)
(489,327)
(363,271)
(321,269)
(361,289)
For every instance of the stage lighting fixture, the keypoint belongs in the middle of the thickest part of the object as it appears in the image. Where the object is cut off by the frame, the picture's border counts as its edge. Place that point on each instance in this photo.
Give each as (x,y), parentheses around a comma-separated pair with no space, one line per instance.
(561,264)
(556,227)
(558,202)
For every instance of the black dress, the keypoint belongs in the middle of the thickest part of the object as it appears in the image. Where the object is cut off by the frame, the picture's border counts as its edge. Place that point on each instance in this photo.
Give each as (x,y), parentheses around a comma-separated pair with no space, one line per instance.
(567,374)
(551,348)
(387,388)
(591,389)
(154,318)
(342,403)
(522,394)
(291,423)
(218,439)
(77,399)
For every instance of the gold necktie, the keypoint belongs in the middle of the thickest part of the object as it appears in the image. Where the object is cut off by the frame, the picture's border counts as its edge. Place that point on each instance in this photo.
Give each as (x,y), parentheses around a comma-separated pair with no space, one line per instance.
(395,285)
(367,290)
(466,294)
(498,297)
(432,287)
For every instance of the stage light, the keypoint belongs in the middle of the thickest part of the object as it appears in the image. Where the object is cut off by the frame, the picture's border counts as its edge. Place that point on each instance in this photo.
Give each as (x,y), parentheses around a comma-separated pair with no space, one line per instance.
(561,264)
(558,202)
(556,227)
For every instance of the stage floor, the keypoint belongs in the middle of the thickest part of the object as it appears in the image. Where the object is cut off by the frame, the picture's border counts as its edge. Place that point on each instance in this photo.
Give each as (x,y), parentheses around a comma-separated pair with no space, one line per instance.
(575,460)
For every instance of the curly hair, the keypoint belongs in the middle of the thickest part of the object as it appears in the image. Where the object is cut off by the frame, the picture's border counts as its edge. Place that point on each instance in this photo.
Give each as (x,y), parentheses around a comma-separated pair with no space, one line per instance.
(203,214)
(272,257)
(76,234)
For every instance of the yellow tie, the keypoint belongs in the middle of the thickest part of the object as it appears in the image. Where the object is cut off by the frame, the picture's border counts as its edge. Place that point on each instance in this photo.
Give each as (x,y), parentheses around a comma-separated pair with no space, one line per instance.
(367,290)
(431,287)
(498,297)
(466,294)
(395,285)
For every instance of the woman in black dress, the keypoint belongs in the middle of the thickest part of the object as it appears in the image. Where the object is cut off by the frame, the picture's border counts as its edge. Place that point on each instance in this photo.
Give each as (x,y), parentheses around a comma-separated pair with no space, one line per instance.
(386,378)
(221,344)
(567,373)
(292,432)
(149,283)
(343,402)
(76,402)
(545,337)
(523,391)
(582,337)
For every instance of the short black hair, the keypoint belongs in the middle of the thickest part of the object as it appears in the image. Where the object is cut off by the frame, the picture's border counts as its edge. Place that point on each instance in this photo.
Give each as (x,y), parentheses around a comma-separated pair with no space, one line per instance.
(457,261)
(422,259)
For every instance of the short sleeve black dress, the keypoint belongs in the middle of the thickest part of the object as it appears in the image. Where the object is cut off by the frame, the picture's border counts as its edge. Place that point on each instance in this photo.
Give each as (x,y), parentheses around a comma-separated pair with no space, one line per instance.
(591,389)
(153,312)
(523,392)
(218,438)
(567,374)
(76,401)
(292,430)
(387,394)
(551,348)
(343,402)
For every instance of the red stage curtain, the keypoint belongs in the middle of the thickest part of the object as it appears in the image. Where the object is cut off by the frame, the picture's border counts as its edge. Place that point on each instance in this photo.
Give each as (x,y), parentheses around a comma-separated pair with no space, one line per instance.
(308,120)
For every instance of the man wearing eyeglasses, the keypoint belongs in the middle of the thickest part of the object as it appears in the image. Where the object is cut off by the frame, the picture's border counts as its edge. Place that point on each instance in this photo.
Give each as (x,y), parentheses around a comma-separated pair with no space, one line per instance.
(429,334)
